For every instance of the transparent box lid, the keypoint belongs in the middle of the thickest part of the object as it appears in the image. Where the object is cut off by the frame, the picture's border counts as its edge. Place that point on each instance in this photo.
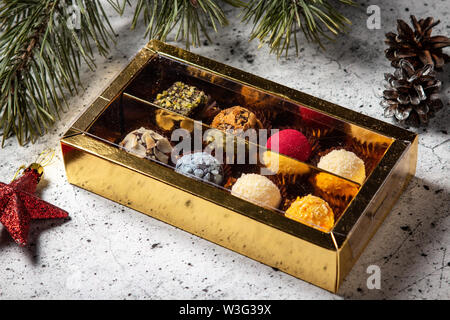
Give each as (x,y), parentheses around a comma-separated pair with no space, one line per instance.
(170,109)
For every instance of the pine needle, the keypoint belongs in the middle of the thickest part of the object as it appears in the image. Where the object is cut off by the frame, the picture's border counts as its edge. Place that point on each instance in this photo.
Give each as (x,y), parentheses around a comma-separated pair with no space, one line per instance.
(276,22)
(41,55)
(189,17)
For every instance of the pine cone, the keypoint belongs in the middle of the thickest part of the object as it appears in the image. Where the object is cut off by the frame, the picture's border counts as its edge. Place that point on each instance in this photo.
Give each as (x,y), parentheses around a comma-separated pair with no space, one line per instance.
(417,46)
(411,94)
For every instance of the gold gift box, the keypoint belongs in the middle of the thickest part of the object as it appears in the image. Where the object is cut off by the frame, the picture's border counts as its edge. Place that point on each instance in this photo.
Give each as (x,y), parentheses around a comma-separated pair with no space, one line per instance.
(94,161)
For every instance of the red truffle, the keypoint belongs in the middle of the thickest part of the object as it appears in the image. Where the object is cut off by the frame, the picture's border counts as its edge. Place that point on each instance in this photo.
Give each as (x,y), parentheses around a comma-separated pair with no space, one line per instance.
(291,143)
(313,118)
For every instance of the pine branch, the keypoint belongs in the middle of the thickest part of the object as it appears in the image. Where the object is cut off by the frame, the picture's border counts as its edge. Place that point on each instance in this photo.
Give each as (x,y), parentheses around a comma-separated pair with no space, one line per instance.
(277,22)
(191,17)
(41,54)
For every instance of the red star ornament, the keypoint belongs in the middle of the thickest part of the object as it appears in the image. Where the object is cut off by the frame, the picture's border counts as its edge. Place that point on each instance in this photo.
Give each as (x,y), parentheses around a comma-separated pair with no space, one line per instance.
(19,205)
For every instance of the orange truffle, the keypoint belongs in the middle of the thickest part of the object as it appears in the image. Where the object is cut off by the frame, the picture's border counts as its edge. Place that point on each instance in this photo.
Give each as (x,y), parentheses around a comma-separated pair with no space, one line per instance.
(313,211)
(335,186)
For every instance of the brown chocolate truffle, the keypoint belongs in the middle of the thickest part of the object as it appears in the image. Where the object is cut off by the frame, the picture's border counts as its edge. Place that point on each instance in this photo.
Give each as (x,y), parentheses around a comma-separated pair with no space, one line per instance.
(181,98)
(236,118)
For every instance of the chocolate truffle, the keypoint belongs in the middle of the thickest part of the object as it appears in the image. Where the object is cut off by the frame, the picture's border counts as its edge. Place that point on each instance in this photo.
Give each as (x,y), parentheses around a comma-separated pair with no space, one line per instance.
(257,189)
(181,98)
(236,119)
(345,164)
(201,165)
(291,143)
(146,143)
(313,211)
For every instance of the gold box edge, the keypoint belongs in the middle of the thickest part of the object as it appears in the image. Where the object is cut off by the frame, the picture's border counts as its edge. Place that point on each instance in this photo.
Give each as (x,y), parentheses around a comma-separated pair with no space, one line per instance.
(241,234)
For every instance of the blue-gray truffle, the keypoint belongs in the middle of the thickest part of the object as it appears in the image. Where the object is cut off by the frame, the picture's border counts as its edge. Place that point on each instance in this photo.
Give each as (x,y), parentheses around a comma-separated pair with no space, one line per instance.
(201,165)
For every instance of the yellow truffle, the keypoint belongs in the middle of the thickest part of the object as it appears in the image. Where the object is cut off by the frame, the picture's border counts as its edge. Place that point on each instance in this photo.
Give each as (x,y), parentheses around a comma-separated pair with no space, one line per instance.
(167,120)
(281,164)
(313,211)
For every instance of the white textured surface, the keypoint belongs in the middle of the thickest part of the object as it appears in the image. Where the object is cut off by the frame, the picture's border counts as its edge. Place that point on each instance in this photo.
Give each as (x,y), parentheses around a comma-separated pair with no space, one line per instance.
(109,251)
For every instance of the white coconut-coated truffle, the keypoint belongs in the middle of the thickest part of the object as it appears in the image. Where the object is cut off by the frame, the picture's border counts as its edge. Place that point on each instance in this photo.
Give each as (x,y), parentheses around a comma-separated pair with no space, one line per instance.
(258,189)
